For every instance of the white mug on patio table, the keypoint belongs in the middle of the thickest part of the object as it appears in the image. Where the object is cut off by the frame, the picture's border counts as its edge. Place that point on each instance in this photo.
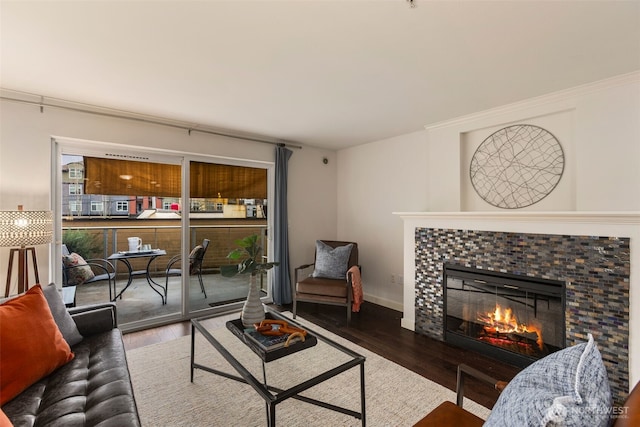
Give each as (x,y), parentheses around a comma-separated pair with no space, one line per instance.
(134,244)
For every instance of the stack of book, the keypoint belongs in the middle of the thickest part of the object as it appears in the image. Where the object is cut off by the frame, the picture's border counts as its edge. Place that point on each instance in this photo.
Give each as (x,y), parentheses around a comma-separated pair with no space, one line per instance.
(270,347)
(268,342)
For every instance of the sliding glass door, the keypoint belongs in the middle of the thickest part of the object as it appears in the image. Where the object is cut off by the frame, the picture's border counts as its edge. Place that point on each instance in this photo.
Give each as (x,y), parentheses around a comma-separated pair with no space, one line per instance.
(227,202)
(119,214)
(154,229)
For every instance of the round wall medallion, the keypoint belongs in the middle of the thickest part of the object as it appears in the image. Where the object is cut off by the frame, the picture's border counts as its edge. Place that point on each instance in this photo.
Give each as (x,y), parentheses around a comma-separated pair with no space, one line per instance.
(517,166)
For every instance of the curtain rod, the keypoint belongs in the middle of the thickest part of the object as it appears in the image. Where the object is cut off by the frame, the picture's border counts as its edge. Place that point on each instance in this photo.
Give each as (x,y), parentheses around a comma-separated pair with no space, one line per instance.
(149,119)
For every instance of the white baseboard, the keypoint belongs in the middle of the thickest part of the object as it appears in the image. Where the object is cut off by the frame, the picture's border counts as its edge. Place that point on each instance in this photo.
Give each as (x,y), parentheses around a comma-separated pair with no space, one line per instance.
(408,324)
(394,305)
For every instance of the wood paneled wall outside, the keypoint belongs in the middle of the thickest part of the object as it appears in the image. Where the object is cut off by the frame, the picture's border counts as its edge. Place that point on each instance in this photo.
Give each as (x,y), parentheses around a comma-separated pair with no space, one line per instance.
(125,177)
(207,180)
(211,180)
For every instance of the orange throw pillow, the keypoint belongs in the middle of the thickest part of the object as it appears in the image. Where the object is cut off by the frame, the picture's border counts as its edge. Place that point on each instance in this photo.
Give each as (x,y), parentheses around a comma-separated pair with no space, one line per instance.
(4,420)
(31,345)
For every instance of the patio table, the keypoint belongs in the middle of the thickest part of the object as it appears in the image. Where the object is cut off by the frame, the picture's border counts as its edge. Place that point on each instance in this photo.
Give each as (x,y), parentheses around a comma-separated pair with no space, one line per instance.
(124,257)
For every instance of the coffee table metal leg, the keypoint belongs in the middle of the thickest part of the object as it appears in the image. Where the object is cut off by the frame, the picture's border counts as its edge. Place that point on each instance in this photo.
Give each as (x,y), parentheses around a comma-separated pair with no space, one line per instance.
(269,406)
(362,395)
(264,381)
(271,422)
(193,348)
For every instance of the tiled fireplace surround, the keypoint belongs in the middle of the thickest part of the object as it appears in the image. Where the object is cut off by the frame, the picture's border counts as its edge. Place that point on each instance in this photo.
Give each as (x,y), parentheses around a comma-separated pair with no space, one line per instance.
(595,266)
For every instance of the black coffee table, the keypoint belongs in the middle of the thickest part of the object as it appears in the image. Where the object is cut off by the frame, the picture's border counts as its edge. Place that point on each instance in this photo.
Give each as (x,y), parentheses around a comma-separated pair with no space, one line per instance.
(319,363)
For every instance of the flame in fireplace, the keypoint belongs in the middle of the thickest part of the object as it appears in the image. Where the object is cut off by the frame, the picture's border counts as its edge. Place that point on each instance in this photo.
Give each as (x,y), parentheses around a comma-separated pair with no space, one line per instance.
(505,322)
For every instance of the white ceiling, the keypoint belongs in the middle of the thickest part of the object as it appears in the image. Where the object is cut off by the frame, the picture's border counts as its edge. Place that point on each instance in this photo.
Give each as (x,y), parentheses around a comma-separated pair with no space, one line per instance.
(331,74)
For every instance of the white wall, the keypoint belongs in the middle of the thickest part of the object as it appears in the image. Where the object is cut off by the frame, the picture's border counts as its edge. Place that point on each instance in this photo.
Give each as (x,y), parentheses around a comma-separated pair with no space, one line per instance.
(423,171)
(373,181)
(608,135)
(559,124)
(312,203)
(599,124)
(25,168)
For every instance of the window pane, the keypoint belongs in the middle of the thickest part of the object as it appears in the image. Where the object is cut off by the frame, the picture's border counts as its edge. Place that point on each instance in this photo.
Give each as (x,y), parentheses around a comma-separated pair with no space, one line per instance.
(99,225)
(75,172)
(75,189)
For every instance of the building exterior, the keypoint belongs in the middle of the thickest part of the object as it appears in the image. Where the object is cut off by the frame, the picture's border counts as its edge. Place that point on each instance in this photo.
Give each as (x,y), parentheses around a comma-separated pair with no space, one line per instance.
(75,203)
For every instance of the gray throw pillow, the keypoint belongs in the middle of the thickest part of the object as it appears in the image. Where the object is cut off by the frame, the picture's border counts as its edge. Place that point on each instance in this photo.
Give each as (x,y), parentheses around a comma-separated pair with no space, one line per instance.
(567,388)
(332,263)
(61,316)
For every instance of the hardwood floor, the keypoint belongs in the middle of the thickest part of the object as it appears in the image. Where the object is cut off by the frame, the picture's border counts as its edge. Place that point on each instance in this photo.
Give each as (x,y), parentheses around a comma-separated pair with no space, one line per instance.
(378,329)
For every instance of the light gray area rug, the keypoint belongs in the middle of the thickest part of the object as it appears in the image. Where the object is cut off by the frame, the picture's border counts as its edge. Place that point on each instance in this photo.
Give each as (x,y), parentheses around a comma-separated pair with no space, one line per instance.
(395,396)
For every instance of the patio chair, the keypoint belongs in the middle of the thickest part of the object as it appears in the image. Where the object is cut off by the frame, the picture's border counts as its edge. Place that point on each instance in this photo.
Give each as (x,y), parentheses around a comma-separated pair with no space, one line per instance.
(195,266)
(78,271)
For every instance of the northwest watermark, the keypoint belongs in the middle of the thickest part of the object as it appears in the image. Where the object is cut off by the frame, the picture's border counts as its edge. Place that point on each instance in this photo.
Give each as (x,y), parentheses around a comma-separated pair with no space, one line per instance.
(611,411)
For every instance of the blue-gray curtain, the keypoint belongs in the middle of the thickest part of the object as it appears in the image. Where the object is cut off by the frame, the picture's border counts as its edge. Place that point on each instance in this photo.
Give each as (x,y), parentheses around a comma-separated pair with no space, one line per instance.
(282,277)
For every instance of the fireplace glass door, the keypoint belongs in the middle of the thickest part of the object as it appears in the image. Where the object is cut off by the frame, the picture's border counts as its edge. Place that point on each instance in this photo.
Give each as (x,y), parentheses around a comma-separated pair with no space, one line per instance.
(508,317)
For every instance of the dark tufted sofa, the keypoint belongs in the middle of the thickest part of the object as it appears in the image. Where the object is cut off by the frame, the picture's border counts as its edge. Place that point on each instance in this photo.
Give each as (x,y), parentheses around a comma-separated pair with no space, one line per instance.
(94,389)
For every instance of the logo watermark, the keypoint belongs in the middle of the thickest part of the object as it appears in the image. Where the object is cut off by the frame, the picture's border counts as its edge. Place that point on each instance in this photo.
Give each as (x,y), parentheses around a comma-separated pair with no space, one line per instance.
(611,411)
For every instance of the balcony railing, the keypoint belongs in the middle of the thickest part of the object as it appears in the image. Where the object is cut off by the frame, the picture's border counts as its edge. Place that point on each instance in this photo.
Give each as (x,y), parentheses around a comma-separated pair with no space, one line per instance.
(102,240)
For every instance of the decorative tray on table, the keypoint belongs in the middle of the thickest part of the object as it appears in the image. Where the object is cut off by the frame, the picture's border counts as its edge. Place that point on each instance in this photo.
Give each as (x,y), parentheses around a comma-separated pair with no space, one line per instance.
(269,347)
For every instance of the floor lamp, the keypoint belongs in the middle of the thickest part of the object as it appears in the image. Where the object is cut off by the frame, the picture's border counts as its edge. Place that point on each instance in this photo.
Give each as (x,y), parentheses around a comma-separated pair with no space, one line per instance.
(25,229)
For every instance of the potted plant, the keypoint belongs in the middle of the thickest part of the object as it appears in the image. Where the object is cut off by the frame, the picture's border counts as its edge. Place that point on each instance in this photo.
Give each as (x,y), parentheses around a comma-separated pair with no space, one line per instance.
(83,242)
(248,254)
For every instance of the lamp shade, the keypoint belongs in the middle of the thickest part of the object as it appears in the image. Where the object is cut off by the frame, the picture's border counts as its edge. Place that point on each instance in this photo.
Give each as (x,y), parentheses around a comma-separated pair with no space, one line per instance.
(25,228)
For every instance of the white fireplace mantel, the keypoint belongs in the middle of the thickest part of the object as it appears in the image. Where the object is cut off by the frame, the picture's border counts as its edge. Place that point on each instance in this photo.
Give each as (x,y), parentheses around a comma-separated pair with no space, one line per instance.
(609,224)
(519,216)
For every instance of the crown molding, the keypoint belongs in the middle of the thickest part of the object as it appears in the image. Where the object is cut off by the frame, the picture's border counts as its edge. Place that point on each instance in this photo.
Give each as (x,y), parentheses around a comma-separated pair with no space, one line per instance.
(551,98)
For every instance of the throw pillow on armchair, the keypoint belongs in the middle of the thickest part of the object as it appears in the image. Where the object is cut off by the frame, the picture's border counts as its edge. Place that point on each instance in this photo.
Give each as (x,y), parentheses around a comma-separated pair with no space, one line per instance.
(569,388)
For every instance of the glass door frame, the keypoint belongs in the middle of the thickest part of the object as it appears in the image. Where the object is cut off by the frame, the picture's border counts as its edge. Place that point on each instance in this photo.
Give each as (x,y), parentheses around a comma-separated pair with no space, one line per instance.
(186,198)
(60,145)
